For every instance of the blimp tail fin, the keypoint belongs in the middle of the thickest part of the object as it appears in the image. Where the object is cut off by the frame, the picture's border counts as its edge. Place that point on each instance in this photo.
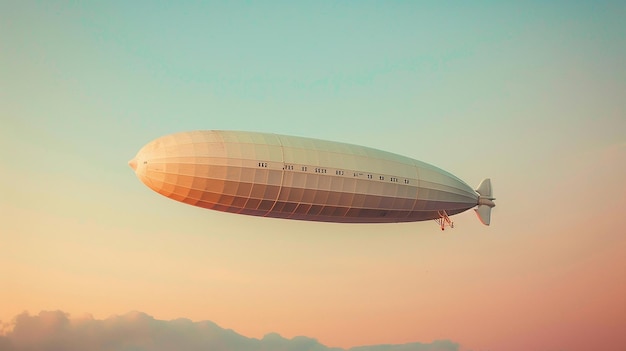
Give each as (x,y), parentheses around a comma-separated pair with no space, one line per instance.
(485,201)
(484,214)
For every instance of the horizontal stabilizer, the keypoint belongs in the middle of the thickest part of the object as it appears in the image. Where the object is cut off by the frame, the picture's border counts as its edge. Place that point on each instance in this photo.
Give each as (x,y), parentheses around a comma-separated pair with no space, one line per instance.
(485,201)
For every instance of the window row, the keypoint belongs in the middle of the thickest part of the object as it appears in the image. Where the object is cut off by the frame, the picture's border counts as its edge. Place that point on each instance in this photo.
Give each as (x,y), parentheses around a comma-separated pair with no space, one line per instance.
(337,172)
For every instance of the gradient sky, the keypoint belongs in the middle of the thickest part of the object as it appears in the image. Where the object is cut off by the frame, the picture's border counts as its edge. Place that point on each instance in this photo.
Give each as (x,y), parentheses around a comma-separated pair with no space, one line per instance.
(532,95)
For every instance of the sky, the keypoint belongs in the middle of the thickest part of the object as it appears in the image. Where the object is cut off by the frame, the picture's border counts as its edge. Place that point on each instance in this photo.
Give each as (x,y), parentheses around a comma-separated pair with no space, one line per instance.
(532,95)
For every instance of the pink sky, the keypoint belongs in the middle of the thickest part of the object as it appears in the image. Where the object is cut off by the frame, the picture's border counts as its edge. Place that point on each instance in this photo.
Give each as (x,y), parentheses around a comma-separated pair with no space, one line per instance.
(555,280)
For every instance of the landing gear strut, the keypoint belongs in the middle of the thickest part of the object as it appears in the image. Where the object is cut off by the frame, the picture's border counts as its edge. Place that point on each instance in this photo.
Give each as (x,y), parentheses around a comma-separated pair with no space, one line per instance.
(444,220)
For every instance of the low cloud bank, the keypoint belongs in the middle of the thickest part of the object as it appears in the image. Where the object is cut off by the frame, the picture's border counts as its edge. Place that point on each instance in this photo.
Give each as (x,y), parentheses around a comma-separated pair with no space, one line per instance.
(136,331)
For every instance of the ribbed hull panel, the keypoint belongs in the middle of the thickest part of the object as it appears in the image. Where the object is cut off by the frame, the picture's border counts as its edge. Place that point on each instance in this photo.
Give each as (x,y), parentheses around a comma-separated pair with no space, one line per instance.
(298,178)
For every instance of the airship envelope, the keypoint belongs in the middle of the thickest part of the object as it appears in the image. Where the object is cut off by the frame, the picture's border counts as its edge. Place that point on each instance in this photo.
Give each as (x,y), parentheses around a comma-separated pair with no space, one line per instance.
(290,177)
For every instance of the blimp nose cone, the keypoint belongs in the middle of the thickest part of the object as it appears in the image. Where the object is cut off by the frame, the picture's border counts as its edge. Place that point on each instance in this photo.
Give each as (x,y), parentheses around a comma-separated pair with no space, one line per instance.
(133,164)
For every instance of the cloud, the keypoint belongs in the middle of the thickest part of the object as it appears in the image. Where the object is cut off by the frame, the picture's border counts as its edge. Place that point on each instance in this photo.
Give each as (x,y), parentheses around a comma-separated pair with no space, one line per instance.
(136,331)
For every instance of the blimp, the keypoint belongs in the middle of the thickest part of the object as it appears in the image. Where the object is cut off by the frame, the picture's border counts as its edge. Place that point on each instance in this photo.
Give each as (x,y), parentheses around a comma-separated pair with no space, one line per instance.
(290,177)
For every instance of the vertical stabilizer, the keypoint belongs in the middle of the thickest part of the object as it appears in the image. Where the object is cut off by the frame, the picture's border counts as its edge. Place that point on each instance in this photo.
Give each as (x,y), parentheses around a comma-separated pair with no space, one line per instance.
(485,201)
(484,189)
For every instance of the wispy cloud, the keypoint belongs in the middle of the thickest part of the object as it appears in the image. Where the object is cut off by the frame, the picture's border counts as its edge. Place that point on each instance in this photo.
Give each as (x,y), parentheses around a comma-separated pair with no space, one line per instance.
(136,331)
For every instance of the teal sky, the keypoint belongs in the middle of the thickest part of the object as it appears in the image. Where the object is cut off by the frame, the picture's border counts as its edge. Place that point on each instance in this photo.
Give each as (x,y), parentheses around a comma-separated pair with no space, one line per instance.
(530,94)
